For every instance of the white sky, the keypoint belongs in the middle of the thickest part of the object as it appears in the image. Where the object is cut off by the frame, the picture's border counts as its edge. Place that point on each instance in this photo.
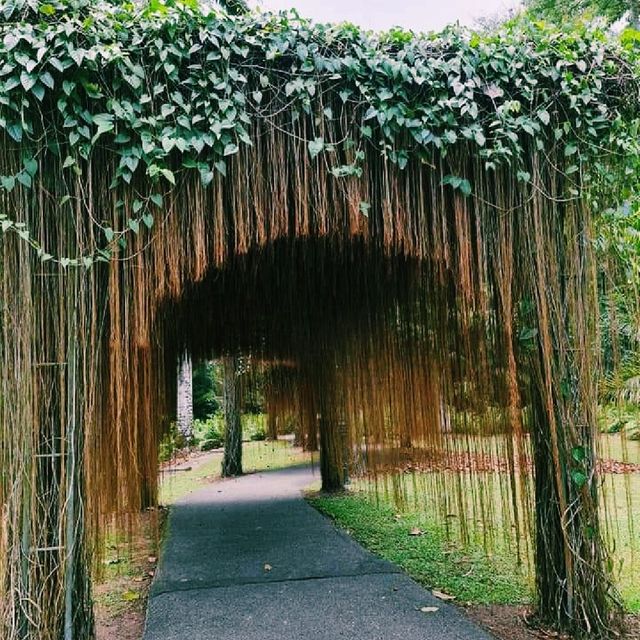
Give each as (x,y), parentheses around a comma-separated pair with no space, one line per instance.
(425,15)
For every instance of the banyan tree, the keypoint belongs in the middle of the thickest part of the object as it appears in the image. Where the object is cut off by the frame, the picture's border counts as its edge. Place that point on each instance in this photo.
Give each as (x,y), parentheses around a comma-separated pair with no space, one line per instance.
(401,223)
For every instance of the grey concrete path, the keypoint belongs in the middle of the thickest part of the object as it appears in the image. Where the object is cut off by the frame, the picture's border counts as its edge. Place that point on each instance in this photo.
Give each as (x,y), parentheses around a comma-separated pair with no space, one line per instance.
(249,559)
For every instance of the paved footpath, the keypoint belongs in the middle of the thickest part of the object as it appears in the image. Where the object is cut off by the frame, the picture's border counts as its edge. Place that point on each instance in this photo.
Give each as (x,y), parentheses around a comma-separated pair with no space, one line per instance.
(249,559)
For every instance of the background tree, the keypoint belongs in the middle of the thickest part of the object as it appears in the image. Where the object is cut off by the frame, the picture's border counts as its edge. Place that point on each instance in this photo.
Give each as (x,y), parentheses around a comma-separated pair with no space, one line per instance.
(207,389)
(560,11)
(185,398)
(232,460)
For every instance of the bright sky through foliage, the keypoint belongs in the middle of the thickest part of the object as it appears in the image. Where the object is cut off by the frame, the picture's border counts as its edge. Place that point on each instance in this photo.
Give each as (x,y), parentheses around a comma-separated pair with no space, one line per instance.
(418,15)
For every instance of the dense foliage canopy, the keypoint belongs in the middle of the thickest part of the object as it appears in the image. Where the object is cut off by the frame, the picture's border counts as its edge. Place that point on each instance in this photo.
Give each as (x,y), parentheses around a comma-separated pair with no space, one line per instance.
(566,10)
(172,88)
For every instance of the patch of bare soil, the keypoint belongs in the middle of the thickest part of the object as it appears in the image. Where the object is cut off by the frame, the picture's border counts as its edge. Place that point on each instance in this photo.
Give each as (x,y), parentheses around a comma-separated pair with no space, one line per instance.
(121,593)
(508,622)
(633,627)
(425,460)
(124,626)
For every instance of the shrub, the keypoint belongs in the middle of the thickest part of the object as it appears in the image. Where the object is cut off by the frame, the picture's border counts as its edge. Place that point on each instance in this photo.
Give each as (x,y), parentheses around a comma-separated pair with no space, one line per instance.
(172,441)
(166,450)
(208,445)
(617,426)
(212,432)
(209,432)
(253,426)
(259,434)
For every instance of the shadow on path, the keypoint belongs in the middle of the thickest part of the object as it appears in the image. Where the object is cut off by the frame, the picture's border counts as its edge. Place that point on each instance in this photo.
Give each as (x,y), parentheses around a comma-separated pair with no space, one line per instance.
(249,559)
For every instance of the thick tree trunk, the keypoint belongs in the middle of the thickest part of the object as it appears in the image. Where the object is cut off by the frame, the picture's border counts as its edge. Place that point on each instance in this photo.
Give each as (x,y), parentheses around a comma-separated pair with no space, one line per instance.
(232,461)
(574,583)
(272,426)
(331,466)
(331,449)
(185,398)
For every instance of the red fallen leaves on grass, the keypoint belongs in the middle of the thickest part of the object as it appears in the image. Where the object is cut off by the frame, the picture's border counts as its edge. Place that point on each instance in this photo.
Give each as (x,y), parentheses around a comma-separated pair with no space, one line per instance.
(617,467)
(485,463)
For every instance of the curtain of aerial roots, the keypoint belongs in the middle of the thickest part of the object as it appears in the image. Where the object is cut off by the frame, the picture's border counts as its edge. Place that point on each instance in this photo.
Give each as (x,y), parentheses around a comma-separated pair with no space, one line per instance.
(438,334)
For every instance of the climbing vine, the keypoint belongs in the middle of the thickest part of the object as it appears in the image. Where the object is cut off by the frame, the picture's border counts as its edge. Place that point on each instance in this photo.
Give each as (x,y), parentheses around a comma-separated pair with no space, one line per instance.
(169,87)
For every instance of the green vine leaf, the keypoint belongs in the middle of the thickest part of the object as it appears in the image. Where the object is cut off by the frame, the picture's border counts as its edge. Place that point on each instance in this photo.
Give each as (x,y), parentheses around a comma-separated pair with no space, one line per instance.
(579,478)
(315,147)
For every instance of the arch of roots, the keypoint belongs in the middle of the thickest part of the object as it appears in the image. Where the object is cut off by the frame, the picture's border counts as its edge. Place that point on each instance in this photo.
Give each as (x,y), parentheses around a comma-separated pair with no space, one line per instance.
(376,218)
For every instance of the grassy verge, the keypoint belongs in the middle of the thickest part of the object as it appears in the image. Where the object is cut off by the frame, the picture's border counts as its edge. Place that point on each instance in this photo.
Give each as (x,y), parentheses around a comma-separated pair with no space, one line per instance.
(476,573)
(121,589)
(471,575)
(621,517)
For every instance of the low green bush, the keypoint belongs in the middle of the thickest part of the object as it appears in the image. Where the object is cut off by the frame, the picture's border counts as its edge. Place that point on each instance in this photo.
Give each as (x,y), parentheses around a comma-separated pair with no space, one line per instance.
(209,445)
(212,432)
(259,434)
(619,418)
(254,426)
(208,433)
(172,442)
(617,426)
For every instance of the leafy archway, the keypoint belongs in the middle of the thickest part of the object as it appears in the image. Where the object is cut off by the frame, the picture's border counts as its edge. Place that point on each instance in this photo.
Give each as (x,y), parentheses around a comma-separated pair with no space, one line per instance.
(145,148)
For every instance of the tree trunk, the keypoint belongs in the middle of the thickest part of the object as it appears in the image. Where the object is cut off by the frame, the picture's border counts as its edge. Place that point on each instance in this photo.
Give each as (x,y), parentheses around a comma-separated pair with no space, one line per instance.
(185,399)
(331,450)
(272,426)
(232,461)
(574,585)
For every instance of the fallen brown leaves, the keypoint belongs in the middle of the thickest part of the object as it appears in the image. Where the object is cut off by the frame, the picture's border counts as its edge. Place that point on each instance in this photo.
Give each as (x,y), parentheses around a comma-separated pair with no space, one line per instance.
(478,462)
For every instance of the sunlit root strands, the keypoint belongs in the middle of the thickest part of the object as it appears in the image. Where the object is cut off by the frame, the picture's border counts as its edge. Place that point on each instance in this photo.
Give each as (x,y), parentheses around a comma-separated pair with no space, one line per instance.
(428,298)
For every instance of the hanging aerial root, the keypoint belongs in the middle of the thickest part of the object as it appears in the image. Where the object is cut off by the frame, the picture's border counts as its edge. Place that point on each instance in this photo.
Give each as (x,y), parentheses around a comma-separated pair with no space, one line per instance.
(443,333)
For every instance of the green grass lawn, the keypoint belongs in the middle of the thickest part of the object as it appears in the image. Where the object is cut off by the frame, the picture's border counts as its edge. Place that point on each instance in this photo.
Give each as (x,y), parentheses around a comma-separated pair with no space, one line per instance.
(469,574)
(484,570)
(621,515)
